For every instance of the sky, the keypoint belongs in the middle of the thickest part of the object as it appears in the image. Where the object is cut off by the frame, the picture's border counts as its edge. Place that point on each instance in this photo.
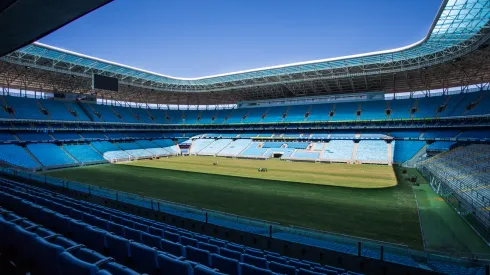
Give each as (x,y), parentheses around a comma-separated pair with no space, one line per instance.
(195,38)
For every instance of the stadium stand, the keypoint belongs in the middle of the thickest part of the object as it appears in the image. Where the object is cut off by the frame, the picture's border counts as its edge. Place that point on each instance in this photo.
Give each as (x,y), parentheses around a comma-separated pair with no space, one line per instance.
(372,151)
(235,148)
(84,153)
(440,146)
(17,156)
(200,144)
(66,136)
(50,155)
(254,151)
(339,151)
(215,147)
(405,150)
(33,136)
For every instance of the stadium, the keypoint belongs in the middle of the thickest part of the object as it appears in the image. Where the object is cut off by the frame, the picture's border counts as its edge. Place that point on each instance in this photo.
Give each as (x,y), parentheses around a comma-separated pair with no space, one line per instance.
(375,163)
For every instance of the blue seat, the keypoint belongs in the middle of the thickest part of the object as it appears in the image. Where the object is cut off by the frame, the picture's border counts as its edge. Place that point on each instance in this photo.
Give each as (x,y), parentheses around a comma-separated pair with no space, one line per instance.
(254,252)
(338,269)
(173,237)
(76,214)
(115,228)
(198,255)
(299,264)
(152,240)
(100,223)
(126,222)
(247,269)
(118,248)
(140,226)
(186,241)
(71,265)
(43,232)
(132,234)
(77,230)
(88,255)
(20,243)
(325,271)
(231,254)
(63,242)
(235,247)
(156,231)
(218,243)
(170,265)
(273,258)
(204,270)
(47,254)
(225,265)
(303,271)
(173,248)
(200,238)
(144,258)
(282,268)
(255,261)
(209,247)
(118,269)
(95,239)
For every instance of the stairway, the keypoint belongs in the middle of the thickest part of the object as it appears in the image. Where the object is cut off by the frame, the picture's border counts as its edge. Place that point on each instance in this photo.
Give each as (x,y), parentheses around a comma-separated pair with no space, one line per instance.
(71,111)
(87,113)
(309,113)
(390,154)
(388,107)
(264,115)
(246,116)
(66,152)
(116,113)
(444,104)
(42,108)
(286,114)
(476,103)
(415,105)
(461,99)
(33,157)
(354,152)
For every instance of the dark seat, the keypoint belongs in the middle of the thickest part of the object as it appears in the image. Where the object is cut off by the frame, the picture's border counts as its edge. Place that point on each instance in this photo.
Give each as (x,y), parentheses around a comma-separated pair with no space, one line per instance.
(70,264)
(144,258)
(198,255)
(225,265)
(118,248)
(173,248)
(174,266)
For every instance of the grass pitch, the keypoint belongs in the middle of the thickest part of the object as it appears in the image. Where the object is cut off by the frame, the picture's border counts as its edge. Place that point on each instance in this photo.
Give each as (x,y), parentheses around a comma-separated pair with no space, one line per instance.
(360,176)
(280,195)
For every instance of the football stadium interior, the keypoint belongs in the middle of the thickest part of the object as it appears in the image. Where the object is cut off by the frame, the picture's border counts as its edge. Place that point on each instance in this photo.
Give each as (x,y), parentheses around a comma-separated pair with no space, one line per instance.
(375,163)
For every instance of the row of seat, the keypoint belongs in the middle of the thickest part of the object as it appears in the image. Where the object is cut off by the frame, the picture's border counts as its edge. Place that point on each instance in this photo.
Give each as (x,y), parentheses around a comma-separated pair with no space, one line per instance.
(430,107)
(38,250)
(150,238)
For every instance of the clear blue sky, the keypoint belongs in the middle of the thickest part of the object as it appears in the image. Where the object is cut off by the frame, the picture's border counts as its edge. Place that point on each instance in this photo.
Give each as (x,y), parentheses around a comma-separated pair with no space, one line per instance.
(192,38)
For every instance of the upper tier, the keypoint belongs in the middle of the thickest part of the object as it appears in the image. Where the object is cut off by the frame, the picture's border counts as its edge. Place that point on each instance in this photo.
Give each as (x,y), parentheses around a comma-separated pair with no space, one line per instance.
(468,104)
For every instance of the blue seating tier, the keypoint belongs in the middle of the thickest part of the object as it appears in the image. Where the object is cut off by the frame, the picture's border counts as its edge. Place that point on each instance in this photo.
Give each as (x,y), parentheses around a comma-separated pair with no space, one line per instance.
(50,154)
(83,153)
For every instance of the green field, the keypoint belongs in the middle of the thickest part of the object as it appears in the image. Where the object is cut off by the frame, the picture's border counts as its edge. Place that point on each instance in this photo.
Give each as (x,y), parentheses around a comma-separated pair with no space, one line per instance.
(387,214)
(370,201)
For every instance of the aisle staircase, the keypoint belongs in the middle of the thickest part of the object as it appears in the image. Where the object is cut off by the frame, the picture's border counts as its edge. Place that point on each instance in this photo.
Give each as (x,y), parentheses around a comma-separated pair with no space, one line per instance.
(354,152)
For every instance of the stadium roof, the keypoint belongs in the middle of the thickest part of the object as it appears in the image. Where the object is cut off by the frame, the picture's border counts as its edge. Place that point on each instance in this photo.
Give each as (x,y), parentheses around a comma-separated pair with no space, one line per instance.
(38,19)
(458,34)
